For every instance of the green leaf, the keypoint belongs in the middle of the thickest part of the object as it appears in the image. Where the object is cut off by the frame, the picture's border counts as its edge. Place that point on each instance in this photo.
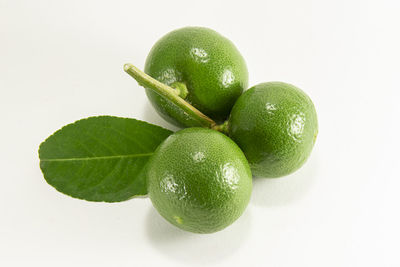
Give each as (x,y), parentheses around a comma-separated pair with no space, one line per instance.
(100,158)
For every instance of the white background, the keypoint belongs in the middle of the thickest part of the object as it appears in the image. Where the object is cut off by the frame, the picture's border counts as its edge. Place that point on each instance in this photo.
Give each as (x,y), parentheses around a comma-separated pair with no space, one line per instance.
(62,60)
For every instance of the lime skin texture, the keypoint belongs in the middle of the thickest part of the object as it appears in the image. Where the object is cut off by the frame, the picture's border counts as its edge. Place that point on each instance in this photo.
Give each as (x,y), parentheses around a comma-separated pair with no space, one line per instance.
(275,124)
(206,63)
(199,180)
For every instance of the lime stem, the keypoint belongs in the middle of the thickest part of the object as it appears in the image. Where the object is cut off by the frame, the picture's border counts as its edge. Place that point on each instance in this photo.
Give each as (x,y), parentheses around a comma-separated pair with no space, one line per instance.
(181,89)
(223,128)
(171,94)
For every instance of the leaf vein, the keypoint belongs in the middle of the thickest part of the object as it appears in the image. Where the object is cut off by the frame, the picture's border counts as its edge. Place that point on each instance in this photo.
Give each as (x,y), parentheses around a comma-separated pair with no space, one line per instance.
(100,157)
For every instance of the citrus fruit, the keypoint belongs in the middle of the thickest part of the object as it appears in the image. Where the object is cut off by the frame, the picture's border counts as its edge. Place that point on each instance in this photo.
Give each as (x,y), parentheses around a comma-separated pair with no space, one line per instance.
(205,67)
(275,124)
(199,180)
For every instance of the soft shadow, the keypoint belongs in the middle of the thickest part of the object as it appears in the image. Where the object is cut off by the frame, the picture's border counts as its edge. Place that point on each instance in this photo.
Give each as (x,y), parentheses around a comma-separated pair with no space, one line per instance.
(196,249)
(269,192)
(151,116)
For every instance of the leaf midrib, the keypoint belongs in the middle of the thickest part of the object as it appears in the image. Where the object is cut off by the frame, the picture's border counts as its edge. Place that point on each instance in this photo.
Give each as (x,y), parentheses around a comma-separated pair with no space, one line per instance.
(100,158)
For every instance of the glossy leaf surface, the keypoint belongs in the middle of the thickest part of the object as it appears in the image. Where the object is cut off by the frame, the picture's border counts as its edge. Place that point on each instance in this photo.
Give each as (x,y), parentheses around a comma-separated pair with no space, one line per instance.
(100,158)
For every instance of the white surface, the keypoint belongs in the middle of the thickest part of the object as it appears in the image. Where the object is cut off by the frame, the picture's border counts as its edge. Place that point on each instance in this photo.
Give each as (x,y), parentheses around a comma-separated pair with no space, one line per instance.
(62,60)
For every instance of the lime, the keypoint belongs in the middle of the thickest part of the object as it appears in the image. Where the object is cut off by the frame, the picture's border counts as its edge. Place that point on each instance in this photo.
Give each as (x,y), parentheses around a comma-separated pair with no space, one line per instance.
(275,124)
(203,65)
(199,180)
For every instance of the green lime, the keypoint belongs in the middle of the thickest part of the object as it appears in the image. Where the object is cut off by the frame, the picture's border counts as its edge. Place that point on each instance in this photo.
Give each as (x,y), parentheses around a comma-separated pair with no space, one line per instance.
(203,65)
(275,124)
(199,180)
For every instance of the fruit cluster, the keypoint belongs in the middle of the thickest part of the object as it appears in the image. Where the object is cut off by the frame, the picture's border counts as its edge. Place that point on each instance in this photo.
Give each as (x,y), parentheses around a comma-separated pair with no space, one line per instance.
(200,178)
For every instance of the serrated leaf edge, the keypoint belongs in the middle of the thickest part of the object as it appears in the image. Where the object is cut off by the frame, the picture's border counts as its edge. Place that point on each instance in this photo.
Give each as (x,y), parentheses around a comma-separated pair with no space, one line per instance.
(100,158)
